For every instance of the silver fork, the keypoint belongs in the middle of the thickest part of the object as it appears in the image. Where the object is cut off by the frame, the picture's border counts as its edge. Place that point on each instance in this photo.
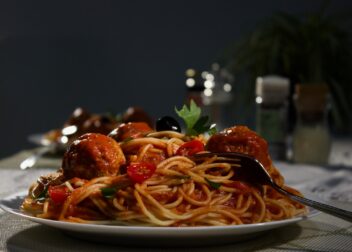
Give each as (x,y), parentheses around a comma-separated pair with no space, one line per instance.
(251,170)
(32,160)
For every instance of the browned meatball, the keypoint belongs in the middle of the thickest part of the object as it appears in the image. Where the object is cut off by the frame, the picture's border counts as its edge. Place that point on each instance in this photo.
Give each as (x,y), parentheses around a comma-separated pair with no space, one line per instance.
(130,130)
(240,139)
(92,155)
(137,114)
(99,124)
(78,117)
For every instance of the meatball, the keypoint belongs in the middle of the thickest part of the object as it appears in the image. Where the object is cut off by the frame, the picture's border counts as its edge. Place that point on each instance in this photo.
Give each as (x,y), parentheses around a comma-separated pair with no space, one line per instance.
(99,124)
(240,139)
(137,114)
(92,155)
(130,130)
(78,117)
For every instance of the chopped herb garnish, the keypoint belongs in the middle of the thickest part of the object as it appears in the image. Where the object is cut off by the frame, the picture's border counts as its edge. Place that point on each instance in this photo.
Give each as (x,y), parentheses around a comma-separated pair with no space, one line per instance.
(195,123)
(42,196)
(108,192)
(212,129)
(127,139)
(213,184)
(183,176)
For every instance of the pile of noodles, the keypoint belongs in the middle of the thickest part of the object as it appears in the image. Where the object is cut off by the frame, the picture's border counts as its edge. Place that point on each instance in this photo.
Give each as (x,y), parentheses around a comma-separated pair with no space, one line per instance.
(181,192)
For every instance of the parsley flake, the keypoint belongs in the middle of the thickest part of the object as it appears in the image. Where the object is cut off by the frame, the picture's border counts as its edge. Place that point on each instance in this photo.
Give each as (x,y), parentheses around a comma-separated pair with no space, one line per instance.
(213,184)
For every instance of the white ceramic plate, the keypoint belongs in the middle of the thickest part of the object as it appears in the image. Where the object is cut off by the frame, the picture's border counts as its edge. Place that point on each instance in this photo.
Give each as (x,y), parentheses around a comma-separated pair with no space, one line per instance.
(160,236)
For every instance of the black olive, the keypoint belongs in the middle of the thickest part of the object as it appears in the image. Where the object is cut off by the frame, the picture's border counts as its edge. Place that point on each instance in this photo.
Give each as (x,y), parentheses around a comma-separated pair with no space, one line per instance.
(167,123)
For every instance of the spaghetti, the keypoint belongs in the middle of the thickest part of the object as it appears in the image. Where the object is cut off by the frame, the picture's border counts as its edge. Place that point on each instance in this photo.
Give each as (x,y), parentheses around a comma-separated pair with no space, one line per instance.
(159,184)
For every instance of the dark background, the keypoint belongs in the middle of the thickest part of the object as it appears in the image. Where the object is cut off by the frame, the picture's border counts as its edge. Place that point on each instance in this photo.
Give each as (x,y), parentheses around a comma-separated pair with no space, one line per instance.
(107,55)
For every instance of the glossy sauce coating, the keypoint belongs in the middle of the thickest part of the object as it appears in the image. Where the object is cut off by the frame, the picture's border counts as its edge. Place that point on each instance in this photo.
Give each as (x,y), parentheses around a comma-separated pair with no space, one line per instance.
(92,155)
(240,139)
(130,130)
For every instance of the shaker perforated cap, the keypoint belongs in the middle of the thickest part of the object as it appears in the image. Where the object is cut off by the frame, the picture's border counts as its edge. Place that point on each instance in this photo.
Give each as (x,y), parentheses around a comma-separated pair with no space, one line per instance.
(272,89)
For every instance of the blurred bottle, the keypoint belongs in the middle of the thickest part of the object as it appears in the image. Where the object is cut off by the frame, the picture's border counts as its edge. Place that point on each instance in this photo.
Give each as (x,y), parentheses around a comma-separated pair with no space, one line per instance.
(194,85)
(271,113)
(311,136)
(217,96)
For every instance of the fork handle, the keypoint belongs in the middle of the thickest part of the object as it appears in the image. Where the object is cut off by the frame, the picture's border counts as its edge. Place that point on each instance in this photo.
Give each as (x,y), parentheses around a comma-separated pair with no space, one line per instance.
(30,161)
(338,212)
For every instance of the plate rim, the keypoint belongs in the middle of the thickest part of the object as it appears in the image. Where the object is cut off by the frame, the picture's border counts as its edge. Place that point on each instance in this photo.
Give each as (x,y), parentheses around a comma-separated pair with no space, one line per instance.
(161,231)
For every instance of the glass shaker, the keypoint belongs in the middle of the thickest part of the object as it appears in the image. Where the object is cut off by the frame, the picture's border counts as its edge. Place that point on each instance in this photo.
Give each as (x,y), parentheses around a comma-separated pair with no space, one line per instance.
(271,113)
(311,136)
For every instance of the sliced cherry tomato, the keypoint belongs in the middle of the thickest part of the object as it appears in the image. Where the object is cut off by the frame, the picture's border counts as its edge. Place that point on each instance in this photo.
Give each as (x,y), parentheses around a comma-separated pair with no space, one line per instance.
(153,157)
(190,148)
(58,194)
(139,172)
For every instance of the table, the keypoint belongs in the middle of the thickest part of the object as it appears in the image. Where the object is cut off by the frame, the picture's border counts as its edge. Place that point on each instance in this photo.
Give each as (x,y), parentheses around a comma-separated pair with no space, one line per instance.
(320,233)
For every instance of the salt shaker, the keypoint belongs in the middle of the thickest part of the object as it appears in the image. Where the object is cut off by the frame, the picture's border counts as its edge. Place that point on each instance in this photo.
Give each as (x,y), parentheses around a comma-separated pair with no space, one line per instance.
(311,135)
(271,113)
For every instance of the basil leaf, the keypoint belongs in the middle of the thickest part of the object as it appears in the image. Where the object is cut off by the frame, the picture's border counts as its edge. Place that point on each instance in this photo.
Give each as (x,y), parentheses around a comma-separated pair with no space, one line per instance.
(108,192)
(195,124)
(189,115)
(200,125)
(213,184)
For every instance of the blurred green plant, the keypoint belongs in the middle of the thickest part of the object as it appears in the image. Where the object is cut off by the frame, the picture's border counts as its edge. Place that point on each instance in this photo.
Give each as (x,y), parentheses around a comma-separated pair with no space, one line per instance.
(314,48)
